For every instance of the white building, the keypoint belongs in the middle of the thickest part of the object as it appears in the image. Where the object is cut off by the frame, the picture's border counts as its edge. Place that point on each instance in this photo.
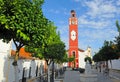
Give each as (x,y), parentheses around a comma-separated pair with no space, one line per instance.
(27,68)
(82,55)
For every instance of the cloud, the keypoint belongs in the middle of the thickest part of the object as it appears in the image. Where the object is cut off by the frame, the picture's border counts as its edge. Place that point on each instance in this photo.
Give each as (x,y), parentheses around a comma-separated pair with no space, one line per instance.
(102,34)
(101,7)
(99,14)
(118,2)
(92,23)
(95,38)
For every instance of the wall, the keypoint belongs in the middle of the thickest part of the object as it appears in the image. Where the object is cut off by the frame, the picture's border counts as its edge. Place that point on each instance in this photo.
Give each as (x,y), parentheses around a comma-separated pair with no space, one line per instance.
(7,69)
(24,63)
(4,52)
(81,59)
(115,64)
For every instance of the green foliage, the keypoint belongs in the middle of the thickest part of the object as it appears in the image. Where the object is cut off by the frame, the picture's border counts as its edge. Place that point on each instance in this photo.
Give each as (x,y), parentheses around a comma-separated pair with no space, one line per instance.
(118,26)
(55,51)
(71,59)
(36,52)
(107,52)
(88,59)
(117,41)
(97,57)
(65,58)
(22,21)
(52,48)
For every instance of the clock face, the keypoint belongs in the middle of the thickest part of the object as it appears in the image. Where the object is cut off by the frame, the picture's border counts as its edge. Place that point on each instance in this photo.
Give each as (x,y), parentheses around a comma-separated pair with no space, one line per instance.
(73,22)
(73,35)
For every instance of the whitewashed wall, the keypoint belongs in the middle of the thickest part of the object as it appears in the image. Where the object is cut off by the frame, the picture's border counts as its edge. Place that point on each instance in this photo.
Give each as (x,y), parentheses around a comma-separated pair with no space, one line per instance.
(2,75)
(24,63)
(4,52)
(4,47)
(81,59)
(7,69)
(115,64)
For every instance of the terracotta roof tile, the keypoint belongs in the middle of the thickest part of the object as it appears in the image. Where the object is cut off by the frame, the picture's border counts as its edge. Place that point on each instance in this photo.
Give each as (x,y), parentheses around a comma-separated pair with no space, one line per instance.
(78,50)
(22,54)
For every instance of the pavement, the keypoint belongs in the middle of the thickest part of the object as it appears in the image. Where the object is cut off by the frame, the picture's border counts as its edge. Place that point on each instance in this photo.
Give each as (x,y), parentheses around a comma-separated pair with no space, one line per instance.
(74,76)
(34,80)
(71,76)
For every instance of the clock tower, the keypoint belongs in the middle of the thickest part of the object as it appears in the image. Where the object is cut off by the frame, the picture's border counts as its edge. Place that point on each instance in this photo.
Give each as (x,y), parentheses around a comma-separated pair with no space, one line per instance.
(73,40)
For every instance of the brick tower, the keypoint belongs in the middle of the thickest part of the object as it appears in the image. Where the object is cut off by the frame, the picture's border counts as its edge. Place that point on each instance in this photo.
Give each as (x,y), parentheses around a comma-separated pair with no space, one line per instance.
(73,39)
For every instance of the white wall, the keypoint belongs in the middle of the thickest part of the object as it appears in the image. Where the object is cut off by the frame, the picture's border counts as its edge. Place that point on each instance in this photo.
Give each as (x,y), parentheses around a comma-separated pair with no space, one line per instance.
(23,63)
(115,64)
(2,76)
(81,59)
(4,52)
(4,47)
(7,69)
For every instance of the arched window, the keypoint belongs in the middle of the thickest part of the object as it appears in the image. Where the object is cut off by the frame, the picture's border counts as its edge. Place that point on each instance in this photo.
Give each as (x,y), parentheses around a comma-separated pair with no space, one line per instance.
(73,53)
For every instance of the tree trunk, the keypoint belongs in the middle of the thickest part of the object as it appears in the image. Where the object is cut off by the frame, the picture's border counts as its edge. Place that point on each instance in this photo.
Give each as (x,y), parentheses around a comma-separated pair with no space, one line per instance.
(48,73)
(16,67)
(111,63)
(107,64)
(53,71)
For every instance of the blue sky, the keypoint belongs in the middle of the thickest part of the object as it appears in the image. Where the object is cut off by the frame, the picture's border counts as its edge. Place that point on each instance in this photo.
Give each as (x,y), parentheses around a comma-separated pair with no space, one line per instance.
(96,20)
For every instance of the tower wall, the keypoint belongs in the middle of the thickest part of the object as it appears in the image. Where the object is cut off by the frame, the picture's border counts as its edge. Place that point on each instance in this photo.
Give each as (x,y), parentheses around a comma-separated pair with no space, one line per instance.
(73,40)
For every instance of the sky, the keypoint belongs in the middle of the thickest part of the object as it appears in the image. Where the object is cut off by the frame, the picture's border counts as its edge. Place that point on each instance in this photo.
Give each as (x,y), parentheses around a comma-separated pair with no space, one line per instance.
(96,20)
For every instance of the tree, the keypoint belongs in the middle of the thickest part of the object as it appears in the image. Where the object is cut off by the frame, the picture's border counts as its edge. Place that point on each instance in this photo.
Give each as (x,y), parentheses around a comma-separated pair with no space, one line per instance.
(117,41)
(21,21)
(88,59)
(107,52)
(52,49)
(98,56)
(56,52)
